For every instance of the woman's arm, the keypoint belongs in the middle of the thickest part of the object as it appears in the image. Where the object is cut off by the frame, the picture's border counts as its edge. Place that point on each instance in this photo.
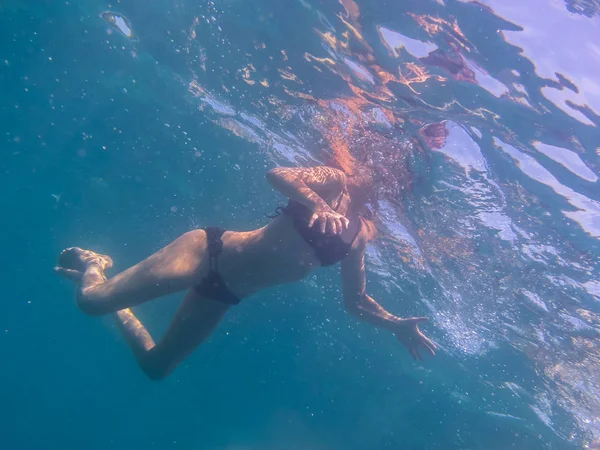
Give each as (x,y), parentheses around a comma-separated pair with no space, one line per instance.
(308,186)
(359,304)
(313,187)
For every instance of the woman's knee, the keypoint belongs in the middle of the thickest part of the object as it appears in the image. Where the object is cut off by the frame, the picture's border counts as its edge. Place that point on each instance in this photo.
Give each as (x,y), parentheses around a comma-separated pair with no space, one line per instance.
(155,374)
(89,304)
(154,365)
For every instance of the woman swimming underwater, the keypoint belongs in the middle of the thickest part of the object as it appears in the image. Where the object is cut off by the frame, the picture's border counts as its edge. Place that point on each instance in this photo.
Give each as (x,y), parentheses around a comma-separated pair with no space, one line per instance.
(321,225)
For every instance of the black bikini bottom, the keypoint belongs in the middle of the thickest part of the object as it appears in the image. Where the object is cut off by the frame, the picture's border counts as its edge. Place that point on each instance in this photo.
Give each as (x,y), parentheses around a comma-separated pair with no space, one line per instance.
(213,286)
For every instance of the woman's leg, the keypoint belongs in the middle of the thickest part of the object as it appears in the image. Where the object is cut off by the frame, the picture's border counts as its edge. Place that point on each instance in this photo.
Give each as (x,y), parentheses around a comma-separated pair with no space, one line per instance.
(178,266)
(194,321)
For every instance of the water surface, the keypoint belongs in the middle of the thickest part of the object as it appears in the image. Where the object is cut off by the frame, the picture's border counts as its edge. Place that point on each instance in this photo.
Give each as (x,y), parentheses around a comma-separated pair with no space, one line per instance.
(126,124)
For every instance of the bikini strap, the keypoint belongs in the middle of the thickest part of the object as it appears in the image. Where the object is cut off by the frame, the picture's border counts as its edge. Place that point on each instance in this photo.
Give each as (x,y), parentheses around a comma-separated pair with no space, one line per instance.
(214,245)
(339,202)
(278,211)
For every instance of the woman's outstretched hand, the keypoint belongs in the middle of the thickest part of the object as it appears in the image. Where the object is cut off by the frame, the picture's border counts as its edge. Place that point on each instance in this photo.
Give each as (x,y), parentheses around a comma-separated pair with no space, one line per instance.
(328,221)
(410,336)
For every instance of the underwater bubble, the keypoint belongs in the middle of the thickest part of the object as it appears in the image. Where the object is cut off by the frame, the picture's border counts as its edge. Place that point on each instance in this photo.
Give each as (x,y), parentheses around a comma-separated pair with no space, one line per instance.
(119,22)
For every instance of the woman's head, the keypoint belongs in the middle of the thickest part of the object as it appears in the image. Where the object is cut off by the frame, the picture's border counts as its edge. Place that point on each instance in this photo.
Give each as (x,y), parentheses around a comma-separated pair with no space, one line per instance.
(376,158)
(361,188)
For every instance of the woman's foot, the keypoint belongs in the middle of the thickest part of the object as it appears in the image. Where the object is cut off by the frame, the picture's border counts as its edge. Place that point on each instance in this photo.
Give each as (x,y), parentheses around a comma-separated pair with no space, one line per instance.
(74,261)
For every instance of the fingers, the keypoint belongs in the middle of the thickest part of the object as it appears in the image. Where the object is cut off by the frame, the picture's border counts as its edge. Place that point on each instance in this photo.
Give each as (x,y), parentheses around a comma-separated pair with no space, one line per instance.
(336,225)
(318,220)
(331,226)
(419,354)
(415,320)
(429,346)
(420,319)
(345,223)
(337,229)
(414,352)
(413,344)
(429,342)
(69,274)
(329,223)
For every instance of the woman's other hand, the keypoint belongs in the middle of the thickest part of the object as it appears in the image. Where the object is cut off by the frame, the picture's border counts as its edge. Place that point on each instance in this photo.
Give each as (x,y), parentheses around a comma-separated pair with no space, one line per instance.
(410,336)
(328,221)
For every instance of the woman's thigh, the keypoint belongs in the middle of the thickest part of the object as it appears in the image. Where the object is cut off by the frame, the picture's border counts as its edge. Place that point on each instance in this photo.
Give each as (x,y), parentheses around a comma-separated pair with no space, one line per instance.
(195,320)
(178,266)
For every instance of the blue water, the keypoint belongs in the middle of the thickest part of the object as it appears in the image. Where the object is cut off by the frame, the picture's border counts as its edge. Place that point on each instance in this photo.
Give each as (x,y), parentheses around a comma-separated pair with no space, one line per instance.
(126,124)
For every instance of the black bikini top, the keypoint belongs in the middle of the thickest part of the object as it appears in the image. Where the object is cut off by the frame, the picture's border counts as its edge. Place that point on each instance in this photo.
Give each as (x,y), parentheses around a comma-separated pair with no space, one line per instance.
(329,248)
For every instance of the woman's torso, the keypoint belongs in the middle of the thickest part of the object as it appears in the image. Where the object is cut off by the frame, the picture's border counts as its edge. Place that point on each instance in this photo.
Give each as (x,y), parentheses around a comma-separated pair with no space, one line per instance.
(274,254)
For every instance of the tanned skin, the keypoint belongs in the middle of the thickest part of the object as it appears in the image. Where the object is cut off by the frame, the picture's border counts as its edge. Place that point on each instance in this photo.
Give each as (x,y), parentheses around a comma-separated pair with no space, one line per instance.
(250,261)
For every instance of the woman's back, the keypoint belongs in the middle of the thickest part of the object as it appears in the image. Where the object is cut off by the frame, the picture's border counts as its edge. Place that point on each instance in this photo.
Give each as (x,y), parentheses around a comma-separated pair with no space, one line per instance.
(268,256)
